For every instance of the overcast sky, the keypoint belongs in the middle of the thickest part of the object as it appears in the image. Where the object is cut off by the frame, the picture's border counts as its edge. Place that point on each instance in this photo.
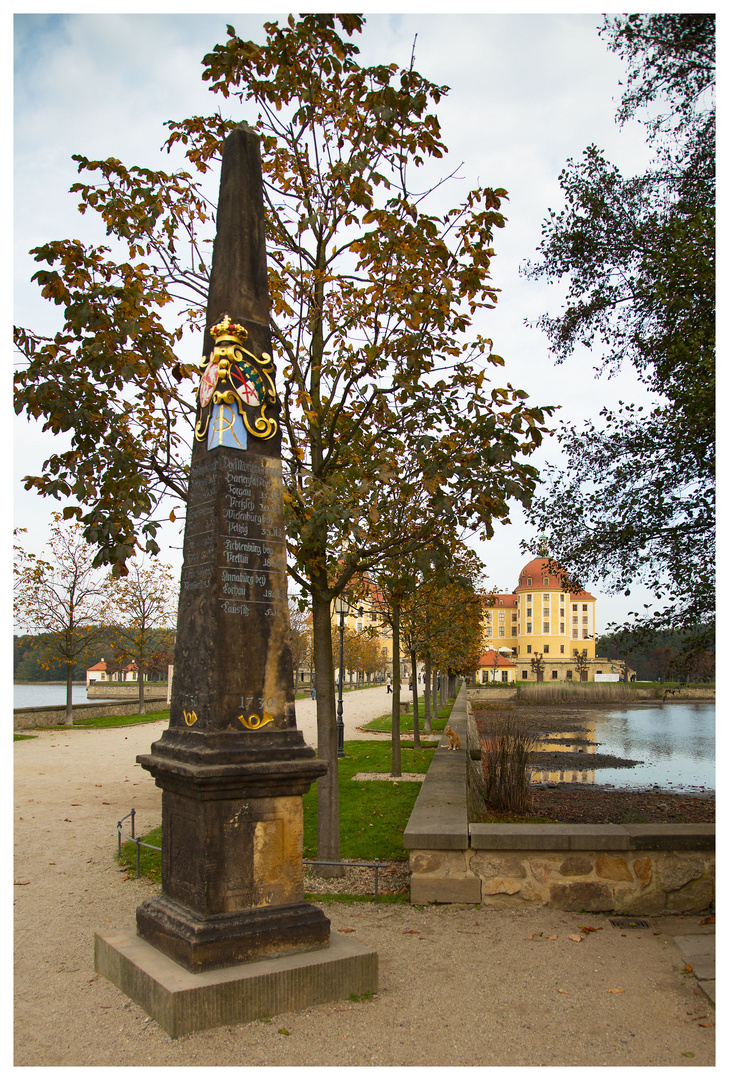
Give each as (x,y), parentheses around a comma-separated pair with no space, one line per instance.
(527,92)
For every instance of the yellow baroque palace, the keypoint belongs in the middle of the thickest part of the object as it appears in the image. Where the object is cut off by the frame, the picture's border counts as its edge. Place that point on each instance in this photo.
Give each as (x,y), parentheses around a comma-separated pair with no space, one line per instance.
(541,621)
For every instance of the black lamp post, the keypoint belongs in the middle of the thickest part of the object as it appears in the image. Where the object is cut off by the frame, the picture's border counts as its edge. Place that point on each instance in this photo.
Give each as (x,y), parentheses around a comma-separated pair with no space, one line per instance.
(343,608)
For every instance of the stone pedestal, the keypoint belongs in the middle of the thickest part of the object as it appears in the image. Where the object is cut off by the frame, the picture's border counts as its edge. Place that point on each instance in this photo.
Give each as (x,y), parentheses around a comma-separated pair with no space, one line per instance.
(182,1002)
(232,840)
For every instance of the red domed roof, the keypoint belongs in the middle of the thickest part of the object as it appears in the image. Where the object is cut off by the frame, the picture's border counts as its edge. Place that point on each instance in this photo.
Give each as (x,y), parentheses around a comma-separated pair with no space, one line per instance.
(538,570)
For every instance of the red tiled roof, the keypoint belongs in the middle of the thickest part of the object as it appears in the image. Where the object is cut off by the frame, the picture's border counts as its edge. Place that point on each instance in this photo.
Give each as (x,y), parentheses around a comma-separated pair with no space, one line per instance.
(487,660)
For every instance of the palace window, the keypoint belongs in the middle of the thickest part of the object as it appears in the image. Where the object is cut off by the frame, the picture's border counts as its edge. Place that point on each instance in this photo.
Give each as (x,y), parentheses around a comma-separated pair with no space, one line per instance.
(504,676)
(529,581)
(529,612)
(574,607)
(529,628)
(575,620)
(584,620)
(561,648)
(545,581)
(584,607)
(568,675)
(529,648)
(529,598)
(561,628)
(585,634)
(554,675)
(525,674)
(545,627)
(502,632)
(546,648)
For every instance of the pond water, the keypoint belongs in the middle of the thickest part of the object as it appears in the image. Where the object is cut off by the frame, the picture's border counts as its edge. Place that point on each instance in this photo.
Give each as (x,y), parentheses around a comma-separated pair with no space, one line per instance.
(30,695)
(674,742)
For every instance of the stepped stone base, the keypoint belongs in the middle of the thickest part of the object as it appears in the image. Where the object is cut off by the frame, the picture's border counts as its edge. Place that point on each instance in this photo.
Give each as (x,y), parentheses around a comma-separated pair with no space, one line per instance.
(181,1001)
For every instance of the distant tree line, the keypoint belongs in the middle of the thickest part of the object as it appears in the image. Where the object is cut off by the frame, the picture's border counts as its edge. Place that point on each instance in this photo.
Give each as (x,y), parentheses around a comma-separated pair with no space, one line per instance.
(31,662)
(667,656)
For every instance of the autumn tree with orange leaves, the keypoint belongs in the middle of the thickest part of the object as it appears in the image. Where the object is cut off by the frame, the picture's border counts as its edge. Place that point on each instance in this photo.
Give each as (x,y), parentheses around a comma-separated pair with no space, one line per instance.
(375,285)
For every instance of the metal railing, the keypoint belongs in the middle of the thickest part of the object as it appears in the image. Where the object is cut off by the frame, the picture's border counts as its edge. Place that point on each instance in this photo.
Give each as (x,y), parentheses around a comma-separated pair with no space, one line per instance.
(138,843)
(133,839)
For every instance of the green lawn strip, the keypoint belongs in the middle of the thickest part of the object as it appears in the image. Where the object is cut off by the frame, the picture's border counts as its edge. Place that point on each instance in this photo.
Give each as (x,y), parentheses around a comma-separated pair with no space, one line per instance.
(384,723)
(19,738)
(372,813)
(114,721)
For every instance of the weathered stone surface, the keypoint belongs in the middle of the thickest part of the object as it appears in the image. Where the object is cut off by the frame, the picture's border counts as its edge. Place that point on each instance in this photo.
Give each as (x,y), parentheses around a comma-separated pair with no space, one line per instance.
(643,870)
(501,885)
(487,867)
(613,868)
(576,866)
(541,868)
(628,902)
(580,896)
(677,870)
(421,862)
(434,889)
(694,896)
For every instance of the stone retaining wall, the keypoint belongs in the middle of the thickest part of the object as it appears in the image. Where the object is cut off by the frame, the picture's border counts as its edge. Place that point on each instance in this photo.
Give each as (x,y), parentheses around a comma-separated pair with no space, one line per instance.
(41,716)
(625,869)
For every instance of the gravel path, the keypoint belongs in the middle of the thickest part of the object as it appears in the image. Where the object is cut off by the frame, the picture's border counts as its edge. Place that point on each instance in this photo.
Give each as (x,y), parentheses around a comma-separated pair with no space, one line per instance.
(459,986)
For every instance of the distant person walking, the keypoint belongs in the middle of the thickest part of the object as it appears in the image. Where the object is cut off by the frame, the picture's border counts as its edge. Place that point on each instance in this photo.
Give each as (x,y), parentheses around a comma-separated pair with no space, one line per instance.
(389,687)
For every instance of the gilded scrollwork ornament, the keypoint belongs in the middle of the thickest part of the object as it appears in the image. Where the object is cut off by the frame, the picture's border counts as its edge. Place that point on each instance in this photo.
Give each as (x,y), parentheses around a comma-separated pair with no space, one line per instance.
(234,382)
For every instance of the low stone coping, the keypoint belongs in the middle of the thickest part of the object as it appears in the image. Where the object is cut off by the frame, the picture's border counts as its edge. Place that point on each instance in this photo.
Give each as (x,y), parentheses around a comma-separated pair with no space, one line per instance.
(500,837)
(439,820)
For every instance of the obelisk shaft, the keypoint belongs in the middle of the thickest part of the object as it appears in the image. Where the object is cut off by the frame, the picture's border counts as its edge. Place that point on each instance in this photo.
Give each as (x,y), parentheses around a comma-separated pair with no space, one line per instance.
(232,765)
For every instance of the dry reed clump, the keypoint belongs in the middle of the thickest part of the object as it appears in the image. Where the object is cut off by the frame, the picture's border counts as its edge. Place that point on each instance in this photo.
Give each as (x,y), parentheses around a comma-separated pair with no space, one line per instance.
(563,693)
(505,751)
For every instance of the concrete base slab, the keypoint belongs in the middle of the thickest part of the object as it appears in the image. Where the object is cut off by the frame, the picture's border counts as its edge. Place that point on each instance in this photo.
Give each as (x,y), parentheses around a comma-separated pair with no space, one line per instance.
(182,1002)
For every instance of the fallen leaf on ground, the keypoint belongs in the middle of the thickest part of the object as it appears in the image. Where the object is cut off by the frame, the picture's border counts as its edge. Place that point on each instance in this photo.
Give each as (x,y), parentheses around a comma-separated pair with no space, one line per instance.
(283,1031)
(708,919)
(347,930)
(576,937)
(687,1053)
(21,883)
(563,991)
(657,933)
(532,936)
(552,937)
(590,929)
(618,991)
(688,968)
(411,931)
(708,1023)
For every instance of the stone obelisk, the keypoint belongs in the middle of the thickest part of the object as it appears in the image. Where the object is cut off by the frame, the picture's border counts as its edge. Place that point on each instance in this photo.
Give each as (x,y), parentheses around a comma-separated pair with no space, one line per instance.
(232,765)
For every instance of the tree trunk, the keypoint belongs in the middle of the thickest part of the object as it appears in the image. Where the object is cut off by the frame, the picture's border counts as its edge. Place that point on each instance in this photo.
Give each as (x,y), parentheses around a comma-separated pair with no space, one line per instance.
(327,795)
(69,694)
(426,695)
(436,696)
(140,679)
(396,755)
(416,716)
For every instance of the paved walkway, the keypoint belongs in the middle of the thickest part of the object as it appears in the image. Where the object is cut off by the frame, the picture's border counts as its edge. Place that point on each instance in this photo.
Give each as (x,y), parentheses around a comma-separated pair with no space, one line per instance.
(459,985)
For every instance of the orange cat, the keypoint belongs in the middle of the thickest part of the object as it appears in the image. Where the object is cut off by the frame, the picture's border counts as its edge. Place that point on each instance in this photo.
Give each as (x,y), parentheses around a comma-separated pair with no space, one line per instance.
(454,741)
